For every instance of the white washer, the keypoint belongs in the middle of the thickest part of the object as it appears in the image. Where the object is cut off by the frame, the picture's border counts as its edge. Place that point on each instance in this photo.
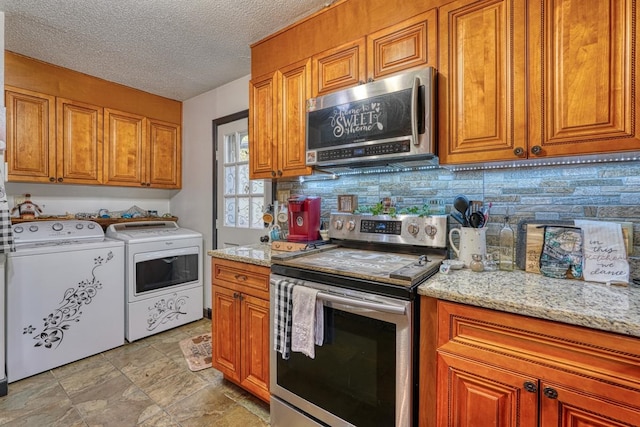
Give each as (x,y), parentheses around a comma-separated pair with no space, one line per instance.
(65,295)
(163,270)
(3,372)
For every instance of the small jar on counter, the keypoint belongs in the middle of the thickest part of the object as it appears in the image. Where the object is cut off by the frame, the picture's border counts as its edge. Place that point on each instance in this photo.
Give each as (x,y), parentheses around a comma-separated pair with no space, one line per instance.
(476,265)
(489,263)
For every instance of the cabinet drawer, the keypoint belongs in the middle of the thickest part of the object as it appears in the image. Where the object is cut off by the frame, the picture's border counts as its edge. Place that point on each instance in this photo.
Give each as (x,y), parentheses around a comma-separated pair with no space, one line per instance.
(241,275)
(528,344)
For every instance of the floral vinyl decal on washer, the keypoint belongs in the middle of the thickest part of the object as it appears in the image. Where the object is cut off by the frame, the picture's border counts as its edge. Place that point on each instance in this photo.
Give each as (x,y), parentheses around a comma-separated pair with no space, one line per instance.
(165,310)
(70,310)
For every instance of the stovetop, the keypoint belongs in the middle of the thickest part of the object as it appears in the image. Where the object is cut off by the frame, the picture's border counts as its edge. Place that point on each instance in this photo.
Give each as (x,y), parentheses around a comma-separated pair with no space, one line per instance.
(385,267)
(381,254)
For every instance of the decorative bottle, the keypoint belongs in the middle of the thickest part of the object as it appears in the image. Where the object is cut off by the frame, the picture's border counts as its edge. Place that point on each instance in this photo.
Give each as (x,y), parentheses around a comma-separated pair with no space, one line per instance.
(505,257)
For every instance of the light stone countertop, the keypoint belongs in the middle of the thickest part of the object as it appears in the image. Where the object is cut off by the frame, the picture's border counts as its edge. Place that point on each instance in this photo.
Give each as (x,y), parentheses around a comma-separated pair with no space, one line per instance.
(258,254)
(594,305)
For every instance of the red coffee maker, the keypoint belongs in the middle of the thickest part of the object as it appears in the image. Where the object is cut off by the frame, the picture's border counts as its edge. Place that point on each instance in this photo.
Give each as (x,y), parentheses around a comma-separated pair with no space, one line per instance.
(304,219)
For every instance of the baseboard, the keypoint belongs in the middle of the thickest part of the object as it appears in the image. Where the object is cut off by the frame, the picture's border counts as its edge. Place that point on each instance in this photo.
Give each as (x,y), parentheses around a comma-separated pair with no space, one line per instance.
(4,387)
(207,313)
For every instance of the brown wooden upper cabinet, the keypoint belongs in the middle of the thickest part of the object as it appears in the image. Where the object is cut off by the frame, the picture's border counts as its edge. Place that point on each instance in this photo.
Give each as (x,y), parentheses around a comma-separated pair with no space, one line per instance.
(409,44)
(572,94)
(163,165)
(52,139)
(277,108)
(481,86)
(142,151)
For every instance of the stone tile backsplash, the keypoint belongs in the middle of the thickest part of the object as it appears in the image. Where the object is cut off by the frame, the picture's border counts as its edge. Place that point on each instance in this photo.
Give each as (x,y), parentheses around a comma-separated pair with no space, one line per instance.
(599,191)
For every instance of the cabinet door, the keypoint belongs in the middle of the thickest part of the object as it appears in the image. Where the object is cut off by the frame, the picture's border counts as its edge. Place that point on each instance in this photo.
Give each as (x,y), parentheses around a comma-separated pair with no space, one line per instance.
(31,137)
(79,142)
(125,136)
(255,346)
(474,394)
(339,67)
(481,81)
(263,127)
(225,327)
(294,84)
(568,407)
(583,61)
(164,163)
(410,44)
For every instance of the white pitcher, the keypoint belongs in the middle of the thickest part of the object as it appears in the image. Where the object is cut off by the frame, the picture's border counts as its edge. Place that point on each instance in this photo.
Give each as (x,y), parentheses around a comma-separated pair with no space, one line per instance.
(471,241)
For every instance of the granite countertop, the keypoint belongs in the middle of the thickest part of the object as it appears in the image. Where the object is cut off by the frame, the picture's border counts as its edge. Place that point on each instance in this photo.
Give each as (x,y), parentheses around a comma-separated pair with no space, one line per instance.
(594,305)
(258,254)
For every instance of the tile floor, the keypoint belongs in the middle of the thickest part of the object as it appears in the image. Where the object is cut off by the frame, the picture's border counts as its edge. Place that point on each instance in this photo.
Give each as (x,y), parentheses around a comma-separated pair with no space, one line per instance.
(145,383)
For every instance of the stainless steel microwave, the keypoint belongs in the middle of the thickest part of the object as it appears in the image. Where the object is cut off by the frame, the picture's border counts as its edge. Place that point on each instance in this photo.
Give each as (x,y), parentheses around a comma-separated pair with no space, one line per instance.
(385,121)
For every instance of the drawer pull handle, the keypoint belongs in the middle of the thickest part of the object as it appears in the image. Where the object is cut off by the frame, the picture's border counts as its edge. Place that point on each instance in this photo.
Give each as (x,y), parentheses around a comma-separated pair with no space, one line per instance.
(530,387)
(551,393)
(241,277)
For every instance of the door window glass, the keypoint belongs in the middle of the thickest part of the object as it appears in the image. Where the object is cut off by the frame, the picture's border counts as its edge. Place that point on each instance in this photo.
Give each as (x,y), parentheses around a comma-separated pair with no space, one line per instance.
(243,197)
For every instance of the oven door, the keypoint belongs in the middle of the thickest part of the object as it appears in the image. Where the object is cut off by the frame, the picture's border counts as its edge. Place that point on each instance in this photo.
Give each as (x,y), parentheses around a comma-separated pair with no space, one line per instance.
(163,269)
(362,373)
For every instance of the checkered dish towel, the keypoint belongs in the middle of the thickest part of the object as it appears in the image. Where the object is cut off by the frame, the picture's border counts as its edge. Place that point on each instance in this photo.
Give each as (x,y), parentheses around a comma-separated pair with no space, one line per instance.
(6,235)
(283,314)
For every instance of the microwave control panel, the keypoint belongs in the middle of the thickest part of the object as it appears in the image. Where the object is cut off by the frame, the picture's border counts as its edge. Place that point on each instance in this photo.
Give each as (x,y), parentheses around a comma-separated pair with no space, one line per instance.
(382,149)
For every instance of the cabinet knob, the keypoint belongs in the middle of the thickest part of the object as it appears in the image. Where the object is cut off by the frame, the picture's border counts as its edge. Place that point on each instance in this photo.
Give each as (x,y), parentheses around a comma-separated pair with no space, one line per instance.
(52,179)
(273,173)
(518,151)
(60,180)
(148,184)
(536,149)
(530,387)
(142,183)
(241,277)
(370,79)
(360,82)
(551,393)
(279,173)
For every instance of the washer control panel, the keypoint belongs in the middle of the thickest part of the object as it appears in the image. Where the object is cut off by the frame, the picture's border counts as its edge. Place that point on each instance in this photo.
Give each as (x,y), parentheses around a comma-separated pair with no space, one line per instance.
(47,231)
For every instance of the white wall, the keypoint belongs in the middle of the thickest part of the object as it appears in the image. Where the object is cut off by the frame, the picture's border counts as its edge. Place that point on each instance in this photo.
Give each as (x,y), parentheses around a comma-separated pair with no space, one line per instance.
(194,203)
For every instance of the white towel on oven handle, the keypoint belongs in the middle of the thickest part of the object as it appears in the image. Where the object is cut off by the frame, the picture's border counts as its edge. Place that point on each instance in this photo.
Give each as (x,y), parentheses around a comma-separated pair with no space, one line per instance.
(303,333)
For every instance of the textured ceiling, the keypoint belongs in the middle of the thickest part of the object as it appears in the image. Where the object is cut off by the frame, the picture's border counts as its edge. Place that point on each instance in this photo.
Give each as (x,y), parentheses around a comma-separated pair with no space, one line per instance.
(173,48)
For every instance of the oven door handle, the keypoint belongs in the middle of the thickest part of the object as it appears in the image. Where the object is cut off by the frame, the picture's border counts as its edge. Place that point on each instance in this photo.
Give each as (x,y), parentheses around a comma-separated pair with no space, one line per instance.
(359,303)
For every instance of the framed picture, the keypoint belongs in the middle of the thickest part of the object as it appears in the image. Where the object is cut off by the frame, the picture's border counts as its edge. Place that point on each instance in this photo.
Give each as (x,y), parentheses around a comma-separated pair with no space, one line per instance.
(347,203)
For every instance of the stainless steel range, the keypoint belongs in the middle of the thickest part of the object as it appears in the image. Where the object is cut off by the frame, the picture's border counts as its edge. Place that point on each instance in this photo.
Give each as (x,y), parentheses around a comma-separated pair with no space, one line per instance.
(365,372)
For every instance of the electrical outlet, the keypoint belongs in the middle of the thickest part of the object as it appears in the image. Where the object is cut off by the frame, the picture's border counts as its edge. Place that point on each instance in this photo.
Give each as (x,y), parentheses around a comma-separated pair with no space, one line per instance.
(283,196)
(17,200)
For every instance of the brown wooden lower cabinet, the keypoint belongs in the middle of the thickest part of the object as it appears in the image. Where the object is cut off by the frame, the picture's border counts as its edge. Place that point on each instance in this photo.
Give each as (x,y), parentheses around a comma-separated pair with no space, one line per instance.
(240,324)
(499,369)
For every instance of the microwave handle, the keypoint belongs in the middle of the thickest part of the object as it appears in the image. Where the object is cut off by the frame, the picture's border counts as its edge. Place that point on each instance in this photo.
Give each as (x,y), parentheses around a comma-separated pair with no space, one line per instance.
(414,110)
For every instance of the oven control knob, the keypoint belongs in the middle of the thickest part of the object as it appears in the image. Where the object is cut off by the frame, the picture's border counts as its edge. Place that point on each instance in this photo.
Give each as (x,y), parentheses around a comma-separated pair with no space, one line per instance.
(57,226)
(351,225)
(431,231)
(413,228)
(79,226)
(91,226)
(18,229)
(338,224)
(33,228)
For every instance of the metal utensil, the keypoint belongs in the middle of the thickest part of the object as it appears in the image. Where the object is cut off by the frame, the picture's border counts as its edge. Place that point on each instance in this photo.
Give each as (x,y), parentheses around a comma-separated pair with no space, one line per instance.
(476,219)
(461,204)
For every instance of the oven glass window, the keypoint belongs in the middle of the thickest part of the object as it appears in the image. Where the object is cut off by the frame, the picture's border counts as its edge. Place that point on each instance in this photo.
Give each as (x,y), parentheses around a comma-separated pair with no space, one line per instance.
(353,374)
(165,272)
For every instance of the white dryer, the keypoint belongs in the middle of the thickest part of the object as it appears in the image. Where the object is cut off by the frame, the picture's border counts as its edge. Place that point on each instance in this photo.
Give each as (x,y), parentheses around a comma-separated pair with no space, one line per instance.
(163,270)
(65,295)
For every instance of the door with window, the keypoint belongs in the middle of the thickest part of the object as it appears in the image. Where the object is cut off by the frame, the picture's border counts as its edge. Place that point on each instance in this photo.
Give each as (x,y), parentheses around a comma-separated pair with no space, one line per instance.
(240,201)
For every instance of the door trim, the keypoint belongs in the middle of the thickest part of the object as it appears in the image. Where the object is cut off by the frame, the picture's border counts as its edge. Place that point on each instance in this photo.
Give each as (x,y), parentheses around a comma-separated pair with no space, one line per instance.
(215,124)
